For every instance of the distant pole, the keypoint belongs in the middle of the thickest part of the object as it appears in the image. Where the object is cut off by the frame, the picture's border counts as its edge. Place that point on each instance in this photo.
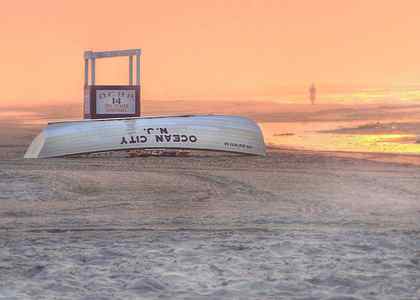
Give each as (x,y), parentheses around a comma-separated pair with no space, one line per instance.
(312,94)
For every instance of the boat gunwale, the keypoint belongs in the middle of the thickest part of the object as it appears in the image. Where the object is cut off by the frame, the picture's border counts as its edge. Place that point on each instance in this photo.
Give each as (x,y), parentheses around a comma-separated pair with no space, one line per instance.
(145,117)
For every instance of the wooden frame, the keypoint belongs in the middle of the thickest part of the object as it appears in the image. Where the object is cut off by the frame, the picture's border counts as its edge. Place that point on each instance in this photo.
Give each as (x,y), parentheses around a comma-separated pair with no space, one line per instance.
(90,101)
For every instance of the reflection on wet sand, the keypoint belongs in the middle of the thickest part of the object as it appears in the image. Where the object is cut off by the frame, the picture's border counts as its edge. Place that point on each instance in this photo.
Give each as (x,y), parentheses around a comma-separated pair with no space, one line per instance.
(314,136)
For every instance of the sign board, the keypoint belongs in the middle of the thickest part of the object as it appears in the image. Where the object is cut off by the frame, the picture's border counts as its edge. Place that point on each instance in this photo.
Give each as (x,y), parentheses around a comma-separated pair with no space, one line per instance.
(115,102)
(112,101)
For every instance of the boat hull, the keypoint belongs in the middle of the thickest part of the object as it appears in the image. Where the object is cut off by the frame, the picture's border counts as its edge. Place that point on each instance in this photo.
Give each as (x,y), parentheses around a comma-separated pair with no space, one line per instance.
(218,133)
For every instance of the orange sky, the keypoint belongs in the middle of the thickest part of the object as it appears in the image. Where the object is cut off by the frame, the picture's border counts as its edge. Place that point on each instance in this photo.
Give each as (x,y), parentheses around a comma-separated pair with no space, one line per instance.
(207,49)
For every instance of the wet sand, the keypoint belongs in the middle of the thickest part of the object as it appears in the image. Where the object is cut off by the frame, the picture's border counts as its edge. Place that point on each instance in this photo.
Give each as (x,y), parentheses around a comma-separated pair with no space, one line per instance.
(293,225)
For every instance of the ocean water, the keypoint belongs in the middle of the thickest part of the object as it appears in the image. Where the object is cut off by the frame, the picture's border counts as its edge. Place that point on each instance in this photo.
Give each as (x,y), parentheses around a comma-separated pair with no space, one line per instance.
(404,94)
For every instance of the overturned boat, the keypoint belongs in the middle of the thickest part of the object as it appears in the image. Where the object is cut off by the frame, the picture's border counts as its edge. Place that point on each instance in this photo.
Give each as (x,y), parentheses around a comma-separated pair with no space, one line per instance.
(209,132)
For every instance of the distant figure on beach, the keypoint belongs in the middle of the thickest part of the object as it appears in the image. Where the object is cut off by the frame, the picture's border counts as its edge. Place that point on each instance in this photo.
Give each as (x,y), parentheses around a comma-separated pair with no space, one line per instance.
(312,94)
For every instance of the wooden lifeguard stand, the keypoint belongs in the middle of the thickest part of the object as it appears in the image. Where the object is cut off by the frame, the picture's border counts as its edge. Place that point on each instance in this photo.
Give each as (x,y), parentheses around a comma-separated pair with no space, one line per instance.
(111,101)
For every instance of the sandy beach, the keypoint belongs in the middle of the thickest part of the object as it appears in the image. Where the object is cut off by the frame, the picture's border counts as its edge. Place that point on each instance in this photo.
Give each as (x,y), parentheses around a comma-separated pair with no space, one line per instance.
(311,110)
(292,225)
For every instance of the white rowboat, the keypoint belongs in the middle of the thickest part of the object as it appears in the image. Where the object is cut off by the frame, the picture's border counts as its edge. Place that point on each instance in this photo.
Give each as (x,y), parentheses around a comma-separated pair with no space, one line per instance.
(209,132)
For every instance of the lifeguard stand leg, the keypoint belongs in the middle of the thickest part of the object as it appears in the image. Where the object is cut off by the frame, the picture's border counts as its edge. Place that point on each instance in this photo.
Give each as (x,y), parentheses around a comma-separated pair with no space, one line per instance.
(86,72)
(138,69)
(130,64)
(92,71)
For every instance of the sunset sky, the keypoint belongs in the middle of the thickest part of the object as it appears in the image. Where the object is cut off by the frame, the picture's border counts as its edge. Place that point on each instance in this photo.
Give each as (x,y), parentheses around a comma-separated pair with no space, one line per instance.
(208,49)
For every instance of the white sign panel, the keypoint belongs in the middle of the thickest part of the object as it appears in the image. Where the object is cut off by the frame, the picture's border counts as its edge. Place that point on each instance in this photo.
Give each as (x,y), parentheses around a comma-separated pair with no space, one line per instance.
(115,102)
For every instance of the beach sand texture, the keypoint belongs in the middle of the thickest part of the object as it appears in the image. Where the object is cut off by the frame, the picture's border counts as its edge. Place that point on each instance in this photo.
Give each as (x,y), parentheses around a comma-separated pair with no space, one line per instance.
(293,225)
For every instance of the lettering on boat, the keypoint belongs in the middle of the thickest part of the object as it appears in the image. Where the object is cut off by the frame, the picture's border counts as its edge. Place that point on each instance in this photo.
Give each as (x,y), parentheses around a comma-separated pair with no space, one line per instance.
(237,145)
(176,138)
(158,135)
(133,139)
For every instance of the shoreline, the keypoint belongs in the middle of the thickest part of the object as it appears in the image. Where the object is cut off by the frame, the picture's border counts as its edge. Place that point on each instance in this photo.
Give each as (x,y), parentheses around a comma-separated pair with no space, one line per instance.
(394,158)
